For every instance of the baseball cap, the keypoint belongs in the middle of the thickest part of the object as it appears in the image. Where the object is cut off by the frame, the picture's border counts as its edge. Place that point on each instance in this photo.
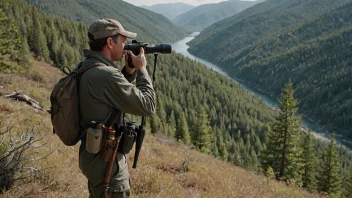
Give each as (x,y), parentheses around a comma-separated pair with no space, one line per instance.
(103,28)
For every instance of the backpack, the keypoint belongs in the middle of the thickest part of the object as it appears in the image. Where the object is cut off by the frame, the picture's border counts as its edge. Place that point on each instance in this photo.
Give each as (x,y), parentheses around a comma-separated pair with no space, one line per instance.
(64,99)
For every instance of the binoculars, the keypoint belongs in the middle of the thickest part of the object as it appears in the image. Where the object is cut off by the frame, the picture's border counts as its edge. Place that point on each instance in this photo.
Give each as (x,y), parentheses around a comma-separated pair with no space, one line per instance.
(148,48)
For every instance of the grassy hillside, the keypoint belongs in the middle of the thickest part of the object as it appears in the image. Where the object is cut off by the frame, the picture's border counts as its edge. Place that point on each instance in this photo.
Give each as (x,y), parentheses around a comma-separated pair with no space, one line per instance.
(170,10)
(203,16)
(161,171)
(184,87)
(149,26)
(305,41)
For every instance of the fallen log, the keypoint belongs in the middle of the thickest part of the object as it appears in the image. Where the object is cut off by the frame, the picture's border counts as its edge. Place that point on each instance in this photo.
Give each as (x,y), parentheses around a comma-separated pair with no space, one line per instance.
(24,98)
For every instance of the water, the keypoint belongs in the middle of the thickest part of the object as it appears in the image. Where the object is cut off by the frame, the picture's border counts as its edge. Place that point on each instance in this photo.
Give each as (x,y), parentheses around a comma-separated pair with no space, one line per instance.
(318,131)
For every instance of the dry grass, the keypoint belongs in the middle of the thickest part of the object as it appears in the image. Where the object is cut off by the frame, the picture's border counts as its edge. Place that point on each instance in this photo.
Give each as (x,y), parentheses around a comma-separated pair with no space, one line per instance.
(160,175)
(165,169)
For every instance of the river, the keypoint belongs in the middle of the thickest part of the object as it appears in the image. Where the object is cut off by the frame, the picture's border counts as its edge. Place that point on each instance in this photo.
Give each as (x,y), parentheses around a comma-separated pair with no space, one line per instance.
(318,131)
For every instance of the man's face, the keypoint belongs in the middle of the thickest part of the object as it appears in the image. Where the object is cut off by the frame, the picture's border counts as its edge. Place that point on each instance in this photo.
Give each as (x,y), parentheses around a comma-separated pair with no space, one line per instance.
(117,50)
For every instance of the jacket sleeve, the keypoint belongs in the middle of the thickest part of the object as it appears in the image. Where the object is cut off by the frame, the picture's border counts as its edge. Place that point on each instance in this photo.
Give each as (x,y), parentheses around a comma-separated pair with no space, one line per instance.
(125,96)
(129,77)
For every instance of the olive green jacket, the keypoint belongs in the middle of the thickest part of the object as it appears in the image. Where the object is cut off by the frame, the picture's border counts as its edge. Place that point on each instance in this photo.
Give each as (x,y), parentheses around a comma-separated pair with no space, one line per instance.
(104,88)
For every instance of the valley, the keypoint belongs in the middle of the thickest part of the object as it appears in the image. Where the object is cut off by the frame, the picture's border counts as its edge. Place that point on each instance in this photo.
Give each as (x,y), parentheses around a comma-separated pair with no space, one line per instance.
(318,131)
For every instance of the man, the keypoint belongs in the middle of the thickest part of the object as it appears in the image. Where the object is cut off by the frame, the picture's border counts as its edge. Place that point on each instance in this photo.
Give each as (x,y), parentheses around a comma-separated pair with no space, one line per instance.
(105,88)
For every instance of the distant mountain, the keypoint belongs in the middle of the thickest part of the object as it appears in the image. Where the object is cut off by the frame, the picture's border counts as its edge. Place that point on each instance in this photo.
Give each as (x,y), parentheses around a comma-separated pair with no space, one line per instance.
(204,15)
(148,25)
(306,41)
(170,10)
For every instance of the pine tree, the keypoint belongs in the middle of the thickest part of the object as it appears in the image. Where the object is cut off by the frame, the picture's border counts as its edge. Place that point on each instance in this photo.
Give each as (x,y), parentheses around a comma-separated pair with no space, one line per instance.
(309,181)
(9,33)
(202,131)
(36,41)
(182,131)
(270,156)
(282,152)
(24,53)
(348,185)
(161,114)
(214,146)
(270,173)
(155,124)
(172,125)
(254,165)
(222,148)
(329,180)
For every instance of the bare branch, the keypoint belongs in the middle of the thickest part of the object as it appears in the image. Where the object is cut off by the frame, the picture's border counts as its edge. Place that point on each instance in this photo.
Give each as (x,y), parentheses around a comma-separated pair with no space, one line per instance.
(2,140)
(9,161)
(14,159)
(34,141)
(15,149)
(11,140)
(9,128)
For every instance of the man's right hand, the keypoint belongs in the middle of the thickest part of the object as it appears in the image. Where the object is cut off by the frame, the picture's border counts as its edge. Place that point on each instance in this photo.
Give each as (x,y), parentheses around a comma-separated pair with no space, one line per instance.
(138,61)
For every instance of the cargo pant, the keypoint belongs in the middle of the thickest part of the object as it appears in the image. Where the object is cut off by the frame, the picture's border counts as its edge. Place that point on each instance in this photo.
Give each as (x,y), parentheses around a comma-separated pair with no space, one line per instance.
(125,194)
(93,167)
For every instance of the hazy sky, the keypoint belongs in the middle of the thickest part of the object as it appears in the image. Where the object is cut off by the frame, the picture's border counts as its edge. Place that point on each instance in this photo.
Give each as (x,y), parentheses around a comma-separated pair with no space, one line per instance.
(152,2)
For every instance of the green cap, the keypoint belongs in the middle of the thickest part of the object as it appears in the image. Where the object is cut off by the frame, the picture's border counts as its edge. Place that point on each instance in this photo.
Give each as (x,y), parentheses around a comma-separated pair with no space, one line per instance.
(103,28)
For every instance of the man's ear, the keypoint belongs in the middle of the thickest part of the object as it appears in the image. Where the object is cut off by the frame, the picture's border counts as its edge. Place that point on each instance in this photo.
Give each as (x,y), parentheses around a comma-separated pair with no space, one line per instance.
(109,43)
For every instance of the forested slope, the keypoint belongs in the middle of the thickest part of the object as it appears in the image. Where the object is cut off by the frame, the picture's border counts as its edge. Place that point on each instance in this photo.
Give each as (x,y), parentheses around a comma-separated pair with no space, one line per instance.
(202,16)
(211,104)
(49,38)
(149,26)
(312,49)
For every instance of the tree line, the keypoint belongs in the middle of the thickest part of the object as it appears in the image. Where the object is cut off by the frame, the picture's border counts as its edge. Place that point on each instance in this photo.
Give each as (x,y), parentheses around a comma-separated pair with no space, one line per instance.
(202,108)
(290,155)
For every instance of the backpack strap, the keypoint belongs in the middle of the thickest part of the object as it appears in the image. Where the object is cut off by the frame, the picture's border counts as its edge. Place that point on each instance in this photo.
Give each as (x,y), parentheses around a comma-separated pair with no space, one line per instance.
(85,68)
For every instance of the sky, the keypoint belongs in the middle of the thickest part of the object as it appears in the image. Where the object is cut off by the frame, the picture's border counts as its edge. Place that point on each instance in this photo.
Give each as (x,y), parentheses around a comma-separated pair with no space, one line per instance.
(152,2)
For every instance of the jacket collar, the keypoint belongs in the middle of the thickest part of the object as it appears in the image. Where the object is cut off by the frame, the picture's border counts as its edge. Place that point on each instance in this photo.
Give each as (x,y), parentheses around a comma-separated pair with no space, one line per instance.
(93,54)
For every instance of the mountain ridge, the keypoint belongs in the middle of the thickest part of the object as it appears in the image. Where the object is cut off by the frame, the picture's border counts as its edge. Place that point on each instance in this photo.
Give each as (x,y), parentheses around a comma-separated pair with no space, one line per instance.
(204,15)
(90,10)
(170,10)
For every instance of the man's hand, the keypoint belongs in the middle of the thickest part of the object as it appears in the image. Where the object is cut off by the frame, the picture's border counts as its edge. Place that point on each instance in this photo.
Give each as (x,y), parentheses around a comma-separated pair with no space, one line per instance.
(138,61)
